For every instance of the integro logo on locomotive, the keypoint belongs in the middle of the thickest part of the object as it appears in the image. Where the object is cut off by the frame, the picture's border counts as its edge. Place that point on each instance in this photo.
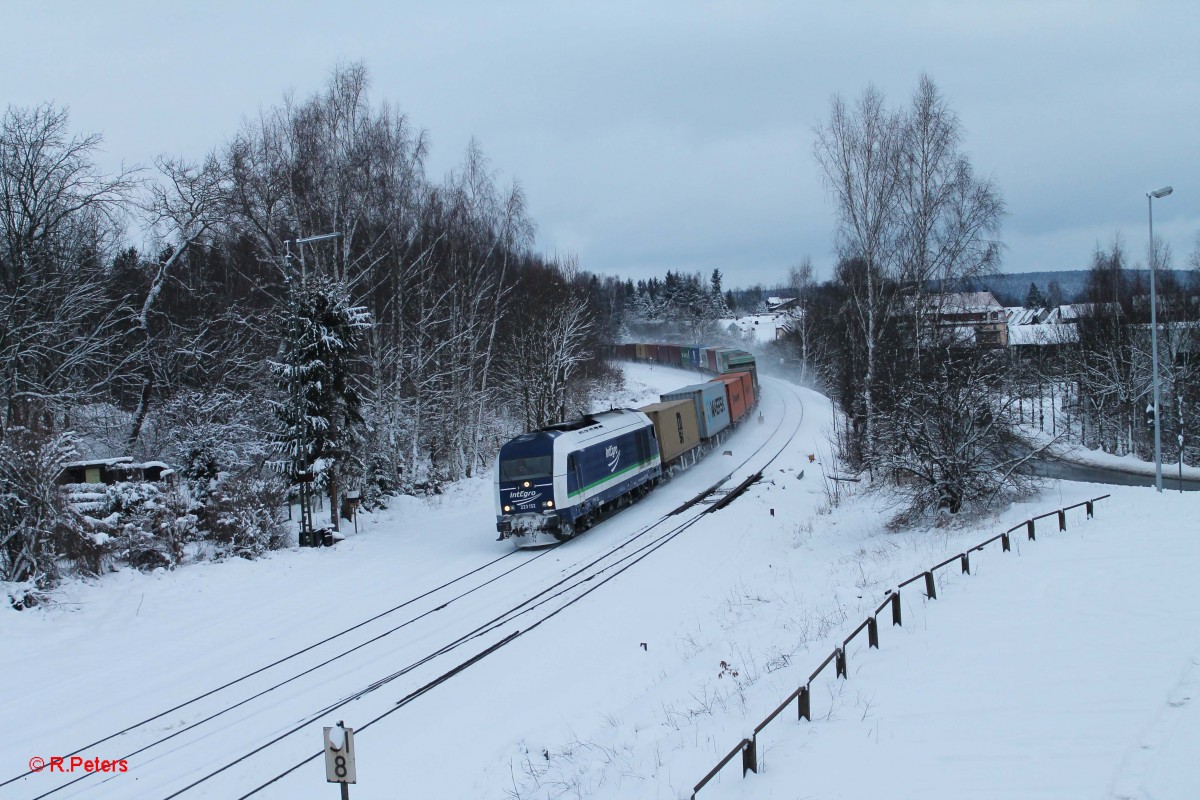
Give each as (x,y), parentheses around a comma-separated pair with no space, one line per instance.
(524,495)
(613,454)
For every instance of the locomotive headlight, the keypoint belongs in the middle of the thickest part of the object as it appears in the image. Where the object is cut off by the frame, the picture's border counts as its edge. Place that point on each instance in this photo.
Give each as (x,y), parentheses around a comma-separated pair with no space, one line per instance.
(507,509)
(549,504)
(525,484)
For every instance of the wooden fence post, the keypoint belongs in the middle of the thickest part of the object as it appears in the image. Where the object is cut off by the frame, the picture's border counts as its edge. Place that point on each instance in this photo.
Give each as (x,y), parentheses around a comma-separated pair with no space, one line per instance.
(966,564)
(1029,527)
(839,663)
(896,608)
(1062,520)
(804,705)
(1089,509)
(872,633)
(930,589)
(1004,542)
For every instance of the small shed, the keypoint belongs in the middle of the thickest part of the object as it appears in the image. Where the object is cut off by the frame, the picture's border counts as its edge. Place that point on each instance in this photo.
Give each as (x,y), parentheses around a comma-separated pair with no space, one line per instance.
(115,470)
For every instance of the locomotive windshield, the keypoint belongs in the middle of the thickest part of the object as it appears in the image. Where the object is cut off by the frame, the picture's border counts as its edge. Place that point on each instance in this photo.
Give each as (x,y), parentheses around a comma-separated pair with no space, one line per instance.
(525,469)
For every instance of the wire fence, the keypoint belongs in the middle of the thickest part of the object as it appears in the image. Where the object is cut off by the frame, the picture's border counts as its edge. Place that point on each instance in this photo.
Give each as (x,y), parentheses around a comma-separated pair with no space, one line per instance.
(748,747)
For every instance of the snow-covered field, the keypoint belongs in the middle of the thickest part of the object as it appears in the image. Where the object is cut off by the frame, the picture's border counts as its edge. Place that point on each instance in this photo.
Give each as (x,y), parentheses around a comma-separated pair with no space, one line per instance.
(637,689)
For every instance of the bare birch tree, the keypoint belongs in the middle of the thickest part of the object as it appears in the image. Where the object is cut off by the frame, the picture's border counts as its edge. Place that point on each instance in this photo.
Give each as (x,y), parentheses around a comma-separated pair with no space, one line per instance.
(858,149)
(59,220)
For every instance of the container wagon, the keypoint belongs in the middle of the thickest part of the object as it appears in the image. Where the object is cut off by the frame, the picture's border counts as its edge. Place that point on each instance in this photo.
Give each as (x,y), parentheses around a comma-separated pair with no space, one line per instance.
(712,407)
(678,432)
(735,396)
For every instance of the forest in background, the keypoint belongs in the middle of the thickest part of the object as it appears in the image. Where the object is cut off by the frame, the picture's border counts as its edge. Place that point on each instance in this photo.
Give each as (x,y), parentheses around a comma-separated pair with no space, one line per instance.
(391,358)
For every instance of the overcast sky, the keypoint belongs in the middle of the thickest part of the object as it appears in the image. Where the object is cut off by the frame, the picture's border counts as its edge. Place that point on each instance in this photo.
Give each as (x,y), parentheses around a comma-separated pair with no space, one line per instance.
(671,135)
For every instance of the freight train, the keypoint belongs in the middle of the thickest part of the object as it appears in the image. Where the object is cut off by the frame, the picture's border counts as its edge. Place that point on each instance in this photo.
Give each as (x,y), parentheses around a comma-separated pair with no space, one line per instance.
(557,481)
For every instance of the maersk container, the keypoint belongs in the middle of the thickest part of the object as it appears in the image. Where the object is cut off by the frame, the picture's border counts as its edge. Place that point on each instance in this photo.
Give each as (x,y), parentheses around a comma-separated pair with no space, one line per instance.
(675,426)
(732,385)
(712,406)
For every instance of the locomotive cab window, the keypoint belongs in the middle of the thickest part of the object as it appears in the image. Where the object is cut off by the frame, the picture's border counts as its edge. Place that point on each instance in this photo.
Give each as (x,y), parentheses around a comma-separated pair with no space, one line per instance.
(525,469)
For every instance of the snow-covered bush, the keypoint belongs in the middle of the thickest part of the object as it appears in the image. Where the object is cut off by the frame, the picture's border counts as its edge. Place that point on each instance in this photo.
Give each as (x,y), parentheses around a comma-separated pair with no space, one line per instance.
(140,523)
(34,519)
(155,524)
(245,517)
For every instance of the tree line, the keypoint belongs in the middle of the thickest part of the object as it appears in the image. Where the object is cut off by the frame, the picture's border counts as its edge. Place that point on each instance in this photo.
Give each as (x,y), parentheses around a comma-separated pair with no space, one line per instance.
(393,357)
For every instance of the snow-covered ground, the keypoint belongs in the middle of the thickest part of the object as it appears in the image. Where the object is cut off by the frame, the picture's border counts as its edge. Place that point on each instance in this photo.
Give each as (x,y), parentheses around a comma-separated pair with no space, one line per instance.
(637,689)
(759,327)
(1067,668)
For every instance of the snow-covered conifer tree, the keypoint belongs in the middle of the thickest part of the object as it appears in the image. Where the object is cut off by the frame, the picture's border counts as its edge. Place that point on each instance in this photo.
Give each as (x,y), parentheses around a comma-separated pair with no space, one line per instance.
(320,421)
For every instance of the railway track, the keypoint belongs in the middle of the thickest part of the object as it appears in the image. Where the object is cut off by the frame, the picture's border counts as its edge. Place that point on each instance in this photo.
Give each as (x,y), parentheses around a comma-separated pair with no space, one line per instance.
(236,702)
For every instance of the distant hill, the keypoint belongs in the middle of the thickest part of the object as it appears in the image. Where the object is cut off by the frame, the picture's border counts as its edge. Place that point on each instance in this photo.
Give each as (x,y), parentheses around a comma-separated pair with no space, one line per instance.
(1010,288)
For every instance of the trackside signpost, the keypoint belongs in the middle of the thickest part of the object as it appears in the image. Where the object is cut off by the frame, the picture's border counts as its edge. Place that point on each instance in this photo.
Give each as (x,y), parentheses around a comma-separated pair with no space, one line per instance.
(339,757)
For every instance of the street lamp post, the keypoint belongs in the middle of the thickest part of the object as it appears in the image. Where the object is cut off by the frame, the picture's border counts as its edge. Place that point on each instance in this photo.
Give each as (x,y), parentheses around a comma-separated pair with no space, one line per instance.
(1150,197)
(302,475)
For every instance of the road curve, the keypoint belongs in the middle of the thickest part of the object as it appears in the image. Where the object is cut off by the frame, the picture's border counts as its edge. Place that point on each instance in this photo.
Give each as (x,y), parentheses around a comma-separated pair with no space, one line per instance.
(1065,470)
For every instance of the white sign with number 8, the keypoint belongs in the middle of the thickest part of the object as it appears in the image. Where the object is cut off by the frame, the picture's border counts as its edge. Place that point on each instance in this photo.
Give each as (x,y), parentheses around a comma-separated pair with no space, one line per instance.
(339,755)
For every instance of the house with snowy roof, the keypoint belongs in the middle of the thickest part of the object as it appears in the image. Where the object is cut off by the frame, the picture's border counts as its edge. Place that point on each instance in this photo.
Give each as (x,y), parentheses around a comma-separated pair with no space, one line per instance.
(972,316)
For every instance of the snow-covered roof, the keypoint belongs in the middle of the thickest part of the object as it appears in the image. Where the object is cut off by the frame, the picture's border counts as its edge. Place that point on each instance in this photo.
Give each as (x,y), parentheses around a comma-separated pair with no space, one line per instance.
(101,462)
(1074,311)
(1019,315)
(1041,334)
(964,302)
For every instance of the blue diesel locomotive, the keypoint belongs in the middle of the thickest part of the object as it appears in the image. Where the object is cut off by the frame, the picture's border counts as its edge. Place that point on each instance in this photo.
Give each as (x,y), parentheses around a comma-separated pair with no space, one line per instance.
(552,483)
(556,481)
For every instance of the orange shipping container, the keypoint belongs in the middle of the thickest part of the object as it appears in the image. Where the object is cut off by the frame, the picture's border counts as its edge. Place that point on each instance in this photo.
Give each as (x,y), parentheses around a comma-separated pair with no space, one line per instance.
(734,394)
(747,387)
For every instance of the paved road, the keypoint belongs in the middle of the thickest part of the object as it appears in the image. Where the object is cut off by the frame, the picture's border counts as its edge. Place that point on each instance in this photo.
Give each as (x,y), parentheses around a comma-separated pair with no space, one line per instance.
(1048,468)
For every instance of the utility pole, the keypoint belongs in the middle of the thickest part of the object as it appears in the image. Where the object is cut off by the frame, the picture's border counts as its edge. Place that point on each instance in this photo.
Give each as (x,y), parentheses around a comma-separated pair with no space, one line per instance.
(1150,197)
